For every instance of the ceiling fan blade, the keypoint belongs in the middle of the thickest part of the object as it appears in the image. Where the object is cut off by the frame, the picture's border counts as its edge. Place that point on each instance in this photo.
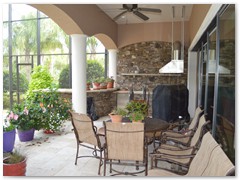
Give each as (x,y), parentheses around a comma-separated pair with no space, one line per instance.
(118,16)
(150,10)
(142,16)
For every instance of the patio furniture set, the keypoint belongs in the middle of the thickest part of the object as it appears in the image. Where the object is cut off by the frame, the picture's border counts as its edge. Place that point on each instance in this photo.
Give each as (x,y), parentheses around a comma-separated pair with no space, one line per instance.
(194,151)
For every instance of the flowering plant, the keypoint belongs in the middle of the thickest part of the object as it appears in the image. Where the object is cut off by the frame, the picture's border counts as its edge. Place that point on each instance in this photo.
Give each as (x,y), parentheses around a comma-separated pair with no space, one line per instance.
(54,106)
(8,126)
(26,116)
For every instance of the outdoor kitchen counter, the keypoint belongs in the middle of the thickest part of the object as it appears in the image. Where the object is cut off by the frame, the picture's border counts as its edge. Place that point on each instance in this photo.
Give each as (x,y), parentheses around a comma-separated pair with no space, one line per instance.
(104,99)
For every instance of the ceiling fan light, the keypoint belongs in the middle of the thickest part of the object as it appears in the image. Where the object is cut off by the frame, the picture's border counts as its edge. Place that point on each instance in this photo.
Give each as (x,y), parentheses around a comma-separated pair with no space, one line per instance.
(130,6)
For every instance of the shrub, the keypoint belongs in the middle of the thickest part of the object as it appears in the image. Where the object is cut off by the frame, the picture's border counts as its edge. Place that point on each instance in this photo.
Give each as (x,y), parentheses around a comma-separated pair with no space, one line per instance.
(64,78)
(23,82)
(94,70)
(40,79)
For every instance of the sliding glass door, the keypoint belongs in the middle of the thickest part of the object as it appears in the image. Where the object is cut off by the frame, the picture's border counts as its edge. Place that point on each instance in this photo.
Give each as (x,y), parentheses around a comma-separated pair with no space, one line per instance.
(225,111)
(216,82)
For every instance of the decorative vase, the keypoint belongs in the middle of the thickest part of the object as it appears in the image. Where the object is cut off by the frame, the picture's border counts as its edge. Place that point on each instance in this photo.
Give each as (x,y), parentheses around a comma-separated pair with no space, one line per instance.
(9,140)
(18,169)
(115,118)
(26,135)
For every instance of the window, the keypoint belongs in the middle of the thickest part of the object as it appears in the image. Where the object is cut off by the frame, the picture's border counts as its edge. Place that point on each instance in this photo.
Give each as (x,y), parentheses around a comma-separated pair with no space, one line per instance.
(36,39)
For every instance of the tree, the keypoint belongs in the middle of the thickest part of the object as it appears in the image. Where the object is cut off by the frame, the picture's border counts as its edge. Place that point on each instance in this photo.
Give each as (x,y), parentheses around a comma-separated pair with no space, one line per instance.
(92,46)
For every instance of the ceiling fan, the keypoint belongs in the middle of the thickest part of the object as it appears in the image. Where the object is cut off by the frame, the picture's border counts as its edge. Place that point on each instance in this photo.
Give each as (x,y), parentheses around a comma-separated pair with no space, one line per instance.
(135,10)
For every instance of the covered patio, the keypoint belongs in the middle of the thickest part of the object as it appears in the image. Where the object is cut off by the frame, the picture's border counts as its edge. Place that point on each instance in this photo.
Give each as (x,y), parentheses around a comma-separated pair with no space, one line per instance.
(176,62)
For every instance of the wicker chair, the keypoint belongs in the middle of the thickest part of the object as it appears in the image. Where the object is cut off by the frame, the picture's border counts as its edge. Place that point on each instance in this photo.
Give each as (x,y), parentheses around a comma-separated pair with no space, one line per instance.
(86,136)
(175,154)
(210,160)
(125,145)
(187,134)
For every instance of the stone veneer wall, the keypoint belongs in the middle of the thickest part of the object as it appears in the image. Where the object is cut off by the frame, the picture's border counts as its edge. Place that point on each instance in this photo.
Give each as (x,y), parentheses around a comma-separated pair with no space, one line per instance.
(104,102)
(149,57)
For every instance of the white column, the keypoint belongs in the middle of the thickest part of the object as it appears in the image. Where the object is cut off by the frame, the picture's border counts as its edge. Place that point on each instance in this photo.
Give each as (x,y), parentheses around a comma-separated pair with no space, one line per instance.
(112,68)
(79,94)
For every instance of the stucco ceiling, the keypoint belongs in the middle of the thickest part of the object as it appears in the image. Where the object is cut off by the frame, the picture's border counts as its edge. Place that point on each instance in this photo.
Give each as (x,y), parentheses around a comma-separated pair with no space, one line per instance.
(166,15)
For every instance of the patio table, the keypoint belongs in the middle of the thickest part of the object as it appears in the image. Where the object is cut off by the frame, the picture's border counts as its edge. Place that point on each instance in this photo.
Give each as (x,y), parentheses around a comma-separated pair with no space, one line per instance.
(153,128)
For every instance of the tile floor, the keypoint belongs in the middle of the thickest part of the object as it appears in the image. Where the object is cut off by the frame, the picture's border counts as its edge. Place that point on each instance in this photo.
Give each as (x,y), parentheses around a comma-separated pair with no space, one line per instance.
(54,154)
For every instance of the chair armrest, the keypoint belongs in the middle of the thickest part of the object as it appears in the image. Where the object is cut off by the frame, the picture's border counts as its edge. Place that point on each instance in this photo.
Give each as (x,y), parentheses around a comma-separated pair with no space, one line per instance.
(178,137)
(95,128)
(161,155)
(173,148)
(176,149)
(177,133)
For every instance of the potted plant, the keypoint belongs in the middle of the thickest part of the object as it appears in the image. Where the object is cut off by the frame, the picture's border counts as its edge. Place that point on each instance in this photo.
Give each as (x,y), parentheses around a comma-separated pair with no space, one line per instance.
(26,118)
(9,134)
(96,84)
(14,164)
(55,109)
(137,105)
(117,114)
(88,84)
(136,116)
(103,83)
(110,82)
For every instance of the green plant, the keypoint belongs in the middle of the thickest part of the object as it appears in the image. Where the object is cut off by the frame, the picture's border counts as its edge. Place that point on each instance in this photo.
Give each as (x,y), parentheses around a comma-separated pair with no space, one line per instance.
(137,106)
(14,157)
(55,108)
(26,116)
(119,111)
(109,79)
(40,79)
(136,116)
(99,80)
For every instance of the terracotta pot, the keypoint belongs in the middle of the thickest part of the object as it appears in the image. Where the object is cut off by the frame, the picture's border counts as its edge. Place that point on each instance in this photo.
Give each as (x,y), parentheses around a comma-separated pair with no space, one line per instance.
(96,86)
(110,84)
(115,118)
(18,169)
(88,86)
(103,87)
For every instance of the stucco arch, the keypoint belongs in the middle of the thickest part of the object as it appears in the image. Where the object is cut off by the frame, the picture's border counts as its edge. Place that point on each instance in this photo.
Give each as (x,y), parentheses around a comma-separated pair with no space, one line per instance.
(82,19)
(106,41)
(67,24)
